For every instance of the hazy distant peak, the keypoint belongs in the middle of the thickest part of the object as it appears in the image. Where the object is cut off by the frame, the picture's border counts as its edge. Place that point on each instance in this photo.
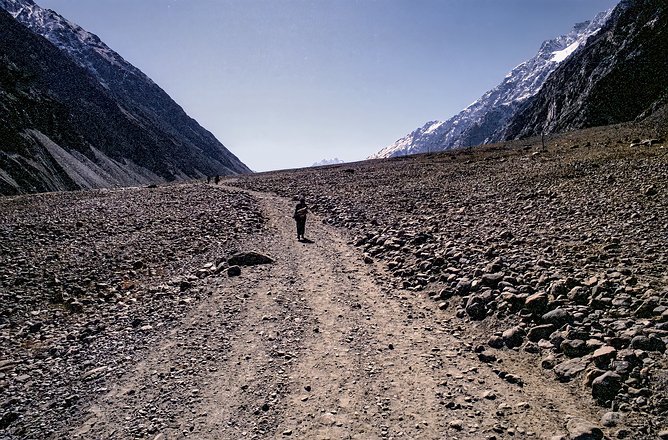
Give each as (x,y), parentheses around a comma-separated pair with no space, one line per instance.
(328,162)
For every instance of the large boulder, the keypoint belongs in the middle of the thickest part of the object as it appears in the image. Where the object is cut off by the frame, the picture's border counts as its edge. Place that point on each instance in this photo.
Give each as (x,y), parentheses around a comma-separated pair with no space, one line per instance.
(249,259)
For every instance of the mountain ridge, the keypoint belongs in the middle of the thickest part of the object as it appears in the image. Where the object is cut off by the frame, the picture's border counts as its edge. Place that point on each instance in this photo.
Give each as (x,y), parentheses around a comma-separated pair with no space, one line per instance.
(174,146)
(478,122)
(622,76)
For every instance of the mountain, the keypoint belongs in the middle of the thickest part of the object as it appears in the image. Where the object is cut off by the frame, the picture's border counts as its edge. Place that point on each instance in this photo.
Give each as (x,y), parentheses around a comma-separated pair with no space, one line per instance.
(620,76)
(481,120)
(325,162)
(75,114)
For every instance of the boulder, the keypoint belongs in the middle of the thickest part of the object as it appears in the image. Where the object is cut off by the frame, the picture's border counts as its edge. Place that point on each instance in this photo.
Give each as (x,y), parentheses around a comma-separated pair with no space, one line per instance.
(539,332)
(475,308)
(513,337)
(579,429)
(605,387)
(536,303)
(579,295)
(558,317)
(602,356)
(574,347)
(249,259)
(569,369)
(648,343)
(492,279)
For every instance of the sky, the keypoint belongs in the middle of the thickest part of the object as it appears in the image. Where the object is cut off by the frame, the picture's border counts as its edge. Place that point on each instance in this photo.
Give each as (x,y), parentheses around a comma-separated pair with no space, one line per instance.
(286,83)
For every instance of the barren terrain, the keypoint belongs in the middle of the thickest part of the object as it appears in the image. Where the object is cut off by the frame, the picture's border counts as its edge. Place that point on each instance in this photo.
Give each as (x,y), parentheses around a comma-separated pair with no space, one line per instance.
(506,292)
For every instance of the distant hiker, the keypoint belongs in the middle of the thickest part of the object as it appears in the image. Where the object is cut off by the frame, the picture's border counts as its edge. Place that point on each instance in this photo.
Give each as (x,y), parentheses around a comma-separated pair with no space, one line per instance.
(208,179)
(216,179)
(300,217)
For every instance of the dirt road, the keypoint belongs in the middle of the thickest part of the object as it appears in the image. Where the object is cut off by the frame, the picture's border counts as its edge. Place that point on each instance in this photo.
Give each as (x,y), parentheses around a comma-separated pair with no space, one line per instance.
(314,347)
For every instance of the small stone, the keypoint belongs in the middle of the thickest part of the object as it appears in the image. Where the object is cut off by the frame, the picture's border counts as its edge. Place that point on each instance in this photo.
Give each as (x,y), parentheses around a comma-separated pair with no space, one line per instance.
(513,337)
(611,419)
(287,432)
(591,374)
(94,373)
(548,362)
(579,429)
(456,424)
(489,395)
(531,347)
(605,387)
(233,271)
(487,357)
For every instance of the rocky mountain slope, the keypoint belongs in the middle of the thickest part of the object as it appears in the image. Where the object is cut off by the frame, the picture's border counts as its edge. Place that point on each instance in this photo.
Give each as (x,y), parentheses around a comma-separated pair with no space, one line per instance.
(481,120)
(79,116)
(621,75)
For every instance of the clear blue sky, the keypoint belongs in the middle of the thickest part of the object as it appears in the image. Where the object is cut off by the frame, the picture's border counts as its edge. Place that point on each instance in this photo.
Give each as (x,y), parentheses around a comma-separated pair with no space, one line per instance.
(285,83)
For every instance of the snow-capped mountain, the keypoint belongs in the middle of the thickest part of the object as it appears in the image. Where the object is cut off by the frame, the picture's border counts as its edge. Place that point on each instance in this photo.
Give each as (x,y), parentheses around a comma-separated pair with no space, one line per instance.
(86,48)
(113,126)
(325,162)
(621,75)
(479,122)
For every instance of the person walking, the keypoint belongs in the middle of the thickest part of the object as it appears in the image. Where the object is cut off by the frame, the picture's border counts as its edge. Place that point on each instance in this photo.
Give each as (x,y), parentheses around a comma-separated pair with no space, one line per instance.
(300,217)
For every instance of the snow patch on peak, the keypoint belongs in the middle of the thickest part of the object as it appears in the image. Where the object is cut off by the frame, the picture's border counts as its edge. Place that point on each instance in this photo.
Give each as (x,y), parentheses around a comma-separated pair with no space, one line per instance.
(325,162)
(83,47)
(561,55)
(478,122)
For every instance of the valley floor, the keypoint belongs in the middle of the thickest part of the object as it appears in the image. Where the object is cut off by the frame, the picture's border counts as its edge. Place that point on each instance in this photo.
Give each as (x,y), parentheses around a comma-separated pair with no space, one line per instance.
(487,294)
(311,347)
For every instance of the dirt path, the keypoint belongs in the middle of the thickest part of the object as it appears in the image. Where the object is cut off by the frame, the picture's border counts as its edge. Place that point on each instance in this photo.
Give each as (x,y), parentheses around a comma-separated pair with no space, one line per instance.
(313,347)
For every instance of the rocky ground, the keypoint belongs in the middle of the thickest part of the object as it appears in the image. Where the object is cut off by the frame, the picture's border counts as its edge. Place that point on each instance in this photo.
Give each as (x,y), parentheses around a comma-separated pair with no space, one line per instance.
(90,280)
(560,253)
(505,292)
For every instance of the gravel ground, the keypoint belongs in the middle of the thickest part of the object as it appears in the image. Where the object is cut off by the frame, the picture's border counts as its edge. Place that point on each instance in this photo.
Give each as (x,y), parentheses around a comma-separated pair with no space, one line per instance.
(558,254)
(89,280)
(501,292)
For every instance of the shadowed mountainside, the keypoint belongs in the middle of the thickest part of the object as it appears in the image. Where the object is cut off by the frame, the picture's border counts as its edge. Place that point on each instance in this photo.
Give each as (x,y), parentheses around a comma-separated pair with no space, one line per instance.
(621,75)
(64,129)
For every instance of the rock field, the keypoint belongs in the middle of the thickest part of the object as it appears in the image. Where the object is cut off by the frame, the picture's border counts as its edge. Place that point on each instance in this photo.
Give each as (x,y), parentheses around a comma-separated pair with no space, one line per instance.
(90,279)
(506,292)
(562,253)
